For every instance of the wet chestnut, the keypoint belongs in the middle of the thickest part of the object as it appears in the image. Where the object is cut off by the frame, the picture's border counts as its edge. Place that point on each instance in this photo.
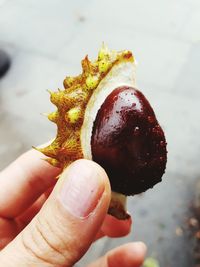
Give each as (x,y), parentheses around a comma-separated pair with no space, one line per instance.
(100,116)
(128,142)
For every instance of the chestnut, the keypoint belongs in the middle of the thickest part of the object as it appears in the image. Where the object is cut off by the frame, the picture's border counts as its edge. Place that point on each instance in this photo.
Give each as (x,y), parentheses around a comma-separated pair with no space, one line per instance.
(128,142)
(101,116)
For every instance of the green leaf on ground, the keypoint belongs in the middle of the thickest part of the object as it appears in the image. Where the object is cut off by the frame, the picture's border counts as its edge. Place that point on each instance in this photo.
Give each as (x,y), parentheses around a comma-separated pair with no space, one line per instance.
(151,262)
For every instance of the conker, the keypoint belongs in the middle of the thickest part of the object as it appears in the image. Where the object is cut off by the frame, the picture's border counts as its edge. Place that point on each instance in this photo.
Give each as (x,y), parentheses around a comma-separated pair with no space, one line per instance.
(128,142)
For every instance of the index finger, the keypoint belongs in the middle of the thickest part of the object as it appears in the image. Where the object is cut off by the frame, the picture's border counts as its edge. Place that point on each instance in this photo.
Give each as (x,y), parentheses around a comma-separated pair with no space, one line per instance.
(22,182)
(113,227)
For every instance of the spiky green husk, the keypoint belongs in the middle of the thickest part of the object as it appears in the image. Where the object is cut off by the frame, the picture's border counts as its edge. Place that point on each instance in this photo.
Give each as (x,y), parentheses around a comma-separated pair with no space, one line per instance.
(71,103)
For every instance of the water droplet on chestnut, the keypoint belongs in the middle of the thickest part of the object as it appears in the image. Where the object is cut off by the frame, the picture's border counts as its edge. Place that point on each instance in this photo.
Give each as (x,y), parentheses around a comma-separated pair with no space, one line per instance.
(136,131)
(128,142)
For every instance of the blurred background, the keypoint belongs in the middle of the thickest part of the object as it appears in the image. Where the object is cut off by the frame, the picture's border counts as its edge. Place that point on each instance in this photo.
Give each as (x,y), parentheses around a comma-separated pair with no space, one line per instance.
(47,39)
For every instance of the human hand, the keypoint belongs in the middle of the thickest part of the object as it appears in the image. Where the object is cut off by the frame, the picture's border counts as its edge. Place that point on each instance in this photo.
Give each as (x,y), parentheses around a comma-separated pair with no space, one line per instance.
(44,222)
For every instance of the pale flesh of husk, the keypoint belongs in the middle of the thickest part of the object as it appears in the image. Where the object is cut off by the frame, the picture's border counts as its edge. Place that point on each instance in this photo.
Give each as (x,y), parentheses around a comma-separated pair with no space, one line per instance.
(122,74)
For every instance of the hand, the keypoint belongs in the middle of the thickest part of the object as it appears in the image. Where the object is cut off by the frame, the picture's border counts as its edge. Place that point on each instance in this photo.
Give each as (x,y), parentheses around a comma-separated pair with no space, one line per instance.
(45,222)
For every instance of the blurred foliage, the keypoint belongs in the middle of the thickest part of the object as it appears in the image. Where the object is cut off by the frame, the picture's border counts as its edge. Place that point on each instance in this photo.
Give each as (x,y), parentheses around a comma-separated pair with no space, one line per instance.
(151,262)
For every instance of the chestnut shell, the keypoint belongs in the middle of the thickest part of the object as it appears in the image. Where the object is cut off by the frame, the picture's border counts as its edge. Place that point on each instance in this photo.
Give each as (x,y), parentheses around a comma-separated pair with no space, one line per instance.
(128,142)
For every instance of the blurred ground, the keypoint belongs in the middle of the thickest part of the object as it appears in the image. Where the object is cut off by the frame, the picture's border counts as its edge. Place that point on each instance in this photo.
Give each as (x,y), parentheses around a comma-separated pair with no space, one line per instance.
(46,40)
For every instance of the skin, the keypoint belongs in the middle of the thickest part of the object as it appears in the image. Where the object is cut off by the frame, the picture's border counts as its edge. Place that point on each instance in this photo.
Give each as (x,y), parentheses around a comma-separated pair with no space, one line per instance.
(37,230)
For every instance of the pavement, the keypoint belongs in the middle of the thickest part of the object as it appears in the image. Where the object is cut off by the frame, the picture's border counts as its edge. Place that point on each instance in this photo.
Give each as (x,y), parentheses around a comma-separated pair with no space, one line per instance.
(46,41)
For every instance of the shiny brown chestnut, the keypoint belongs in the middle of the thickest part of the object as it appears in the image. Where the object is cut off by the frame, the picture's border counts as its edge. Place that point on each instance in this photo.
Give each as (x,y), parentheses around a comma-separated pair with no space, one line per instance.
(128,142)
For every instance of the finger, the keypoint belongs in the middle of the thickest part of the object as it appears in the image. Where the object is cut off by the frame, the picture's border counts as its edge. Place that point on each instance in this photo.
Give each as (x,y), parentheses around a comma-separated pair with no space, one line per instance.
(23,182)
(113,227)
(9,229)
(64,228)
(128,255)
(32,211)
(99,235)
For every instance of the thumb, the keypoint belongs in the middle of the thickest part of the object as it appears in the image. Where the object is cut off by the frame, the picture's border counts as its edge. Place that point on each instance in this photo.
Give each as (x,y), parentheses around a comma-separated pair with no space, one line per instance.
(68,222)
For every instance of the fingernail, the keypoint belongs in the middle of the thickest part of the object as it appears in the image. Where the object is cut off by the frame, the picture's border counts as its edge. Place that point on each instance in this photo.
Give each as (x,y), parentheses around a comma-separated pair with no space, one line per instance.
(82,188)
(141,247)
